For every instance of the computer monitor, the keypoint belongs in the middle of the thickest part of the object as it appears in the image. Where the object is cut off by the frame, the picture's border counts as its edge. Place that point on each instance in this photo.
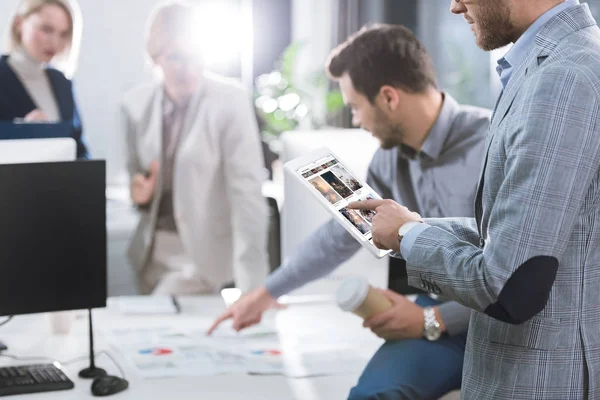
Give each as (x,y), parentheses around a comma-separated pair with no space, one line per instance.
(302,214)
(37,150)
(52,236)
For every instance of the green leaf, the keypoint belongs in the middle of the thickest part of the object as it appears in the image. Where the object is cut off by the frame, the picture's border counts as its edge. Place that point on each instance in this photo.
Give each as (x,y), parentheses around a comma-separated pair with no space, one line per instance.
(334,102)
(288,61)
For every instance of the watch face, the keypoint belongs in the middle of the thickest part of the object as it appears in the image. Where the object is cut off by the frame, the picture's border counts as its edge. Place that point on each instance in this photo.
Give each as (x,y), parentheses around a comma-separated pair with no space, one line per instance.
(433,332)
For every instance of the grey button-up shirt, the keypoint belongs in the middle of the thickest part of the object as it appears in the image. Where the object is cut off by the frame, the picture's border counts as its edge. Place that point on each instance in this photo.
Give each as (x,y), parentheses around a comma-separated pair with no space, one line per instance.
(438,181)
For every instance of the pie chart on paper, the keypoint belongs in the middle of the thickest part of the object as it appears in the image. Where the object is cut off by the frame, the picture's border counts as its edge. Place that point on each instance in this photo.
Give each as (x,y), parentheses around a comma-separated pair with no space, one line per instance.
(267,352)
(156,351)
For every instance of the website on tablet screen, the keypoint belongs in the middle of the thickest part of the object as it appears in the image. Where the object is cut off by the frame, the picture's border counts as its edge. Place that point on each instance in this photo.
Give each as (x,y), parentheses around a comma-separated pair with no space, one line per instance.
(338,186)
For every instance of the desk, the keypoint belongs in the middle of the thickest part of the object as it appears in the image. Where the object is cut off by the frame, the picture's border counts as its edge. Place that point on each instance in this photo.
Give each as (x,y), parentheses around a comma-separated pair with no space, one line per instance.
(27,336)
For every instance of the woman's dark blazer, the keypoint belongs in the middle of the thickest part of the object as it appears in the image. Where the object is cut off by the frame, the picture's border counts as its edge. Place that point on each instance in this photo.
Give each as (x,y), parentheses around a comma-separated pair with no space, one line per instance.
(15,102)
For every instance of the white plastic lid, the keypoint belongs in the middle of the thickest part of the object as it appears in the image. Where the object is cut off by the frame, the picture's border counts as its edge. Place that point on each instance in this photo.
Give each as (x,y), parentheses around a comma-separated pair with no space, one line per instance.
(352,292)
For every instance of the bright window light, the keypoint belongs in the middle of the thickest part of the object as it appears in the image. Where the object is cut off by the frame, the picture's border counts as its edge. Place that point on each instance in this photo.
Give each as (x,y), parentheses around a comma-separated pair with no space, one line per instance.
(219,31)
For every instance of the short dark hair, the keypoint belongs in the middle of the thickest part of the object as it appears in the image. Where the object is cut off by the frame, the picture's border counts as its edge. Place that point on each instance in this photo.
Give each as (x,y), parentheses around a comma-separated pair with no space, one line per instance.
(383,54)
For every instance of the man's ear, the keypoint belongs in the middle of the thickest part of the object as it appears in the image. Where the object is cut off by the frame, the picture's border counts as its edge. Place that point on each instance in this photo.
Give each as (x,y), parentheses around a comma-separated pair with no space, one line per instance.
(389,97)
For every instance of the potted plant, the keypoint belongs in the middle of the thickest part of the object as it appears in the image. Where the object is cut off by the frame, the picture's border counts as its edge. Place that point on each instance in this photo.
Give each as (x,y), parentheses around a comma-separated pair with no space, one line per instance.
(285,102)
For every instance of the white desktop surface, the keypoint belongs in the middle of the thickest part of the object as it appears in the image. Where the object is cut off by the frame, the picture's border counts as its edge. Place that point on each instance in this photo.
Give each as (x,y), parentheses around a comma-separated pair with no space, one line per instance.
(28,336)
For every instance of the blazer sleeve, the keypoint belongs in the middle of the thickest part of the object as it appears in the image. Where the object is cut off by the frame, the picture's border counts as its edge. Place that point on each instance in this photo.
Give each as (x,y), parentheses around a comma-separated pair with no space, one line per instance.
(245,173)
(464,229)
(82,147)
(127,130)
(551,163)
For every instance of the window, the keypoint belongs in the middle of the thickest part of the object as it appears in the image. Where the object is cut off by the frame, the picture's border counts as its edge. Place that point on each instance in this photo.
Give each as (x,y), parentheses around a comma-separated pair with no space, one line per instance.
(465,71)
(594,6)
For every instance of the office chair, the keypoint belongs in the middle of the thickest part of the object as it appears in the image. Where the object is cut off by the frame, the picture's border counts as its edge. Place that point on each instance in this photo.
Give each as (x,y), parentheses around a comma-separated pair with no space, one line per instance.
(274,242)
(274,239)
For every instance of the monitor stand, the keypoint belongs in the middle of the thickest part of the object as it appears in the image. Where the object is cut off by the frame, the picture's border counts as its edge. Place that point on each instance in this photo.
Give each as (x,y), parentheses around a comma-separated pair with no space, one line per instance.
(3,346)
(92,371)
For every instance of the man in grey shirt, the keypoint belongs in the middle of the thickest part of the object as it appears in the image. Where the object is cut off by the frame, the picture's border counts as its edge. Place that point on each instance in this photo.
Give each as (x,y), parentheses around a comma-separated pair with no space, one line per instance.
(430,155)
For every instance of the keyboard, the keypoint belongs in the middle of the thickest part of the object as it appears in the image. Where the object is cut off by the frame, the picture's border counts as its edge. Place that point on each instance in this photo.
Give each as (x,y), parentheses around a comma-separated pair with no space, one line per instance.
(24,379)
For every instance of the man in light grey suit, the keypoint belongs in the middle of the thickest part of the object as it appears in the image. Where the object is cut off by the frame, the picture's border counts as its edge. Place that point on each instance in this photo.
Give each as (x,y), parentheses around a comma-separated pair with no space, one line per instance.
(529,263)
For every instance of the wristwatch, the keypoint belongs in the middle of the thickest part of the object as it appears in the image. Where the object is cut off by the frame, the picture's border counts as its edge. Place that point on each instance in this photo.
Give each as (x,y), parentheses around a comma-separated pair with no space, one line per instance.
(405,228)
(432,329)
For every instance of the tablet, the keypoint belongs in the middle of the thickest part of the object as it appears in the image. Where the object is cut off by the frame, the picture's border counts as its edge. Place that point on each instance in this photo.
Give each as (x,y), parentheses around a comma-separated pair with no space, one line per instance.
(334,186)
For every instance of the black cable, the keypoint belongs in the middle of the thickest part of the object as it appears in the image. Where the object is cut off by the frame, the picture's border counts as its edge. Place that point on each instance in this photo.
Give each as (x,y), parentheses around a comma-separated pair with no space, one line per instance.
(6,321)
(65,363)
(114,362)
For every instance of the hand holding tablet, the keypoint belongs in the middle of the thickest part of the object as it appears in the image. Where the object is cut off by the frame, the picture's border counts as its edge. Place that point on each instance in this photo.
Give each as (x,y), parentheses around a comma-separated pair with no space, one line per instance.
(335,186)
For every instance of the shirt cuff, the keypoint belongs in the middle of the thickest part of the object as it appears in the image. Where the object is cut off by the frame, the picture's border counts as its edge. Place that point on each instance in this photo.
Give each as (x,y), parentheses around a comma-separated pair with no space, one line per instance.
(410,238)
(455,317)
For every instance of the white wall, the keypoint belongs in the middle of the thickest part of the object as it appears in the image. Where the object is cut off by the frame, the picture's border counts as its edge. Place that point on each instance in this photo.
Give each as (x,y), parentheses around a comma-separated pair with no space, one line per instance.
(112,61)
(312,25)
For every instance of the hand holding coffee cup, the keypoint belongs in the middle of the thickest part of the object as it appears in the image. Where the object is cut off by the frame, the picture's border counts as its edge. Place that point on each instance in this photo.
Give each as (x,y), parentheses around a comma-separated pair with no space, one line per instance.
(356,295)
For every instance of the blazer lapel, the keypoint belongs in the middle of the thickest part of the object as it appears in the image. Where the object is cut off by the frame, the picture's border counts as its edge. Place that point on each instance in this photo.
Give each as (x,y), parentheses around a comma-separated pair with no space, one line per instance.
(23,103)
(151,142)
(503,104)
(63,97)
(191,115)
(510,92)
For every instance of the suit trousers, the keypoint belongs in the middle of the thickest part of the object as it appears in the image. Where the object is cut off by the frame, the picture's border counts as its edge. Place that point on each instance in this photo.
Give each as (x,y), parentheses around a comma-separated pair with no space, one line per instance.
(413,369)
(170,271)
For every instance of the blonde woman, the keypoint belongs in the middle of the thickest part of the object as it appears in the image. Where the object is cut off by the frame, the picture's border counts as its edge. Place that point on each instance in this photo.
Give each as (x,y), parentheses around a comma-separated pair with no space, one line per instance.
(196,169)
(43,38)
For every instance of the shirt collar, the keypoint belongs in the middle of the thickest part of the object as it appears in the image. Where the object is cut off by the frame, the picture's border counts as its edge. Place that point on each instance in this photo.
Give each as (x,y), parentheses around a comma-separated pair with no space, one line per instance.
(434,143)
(518,52)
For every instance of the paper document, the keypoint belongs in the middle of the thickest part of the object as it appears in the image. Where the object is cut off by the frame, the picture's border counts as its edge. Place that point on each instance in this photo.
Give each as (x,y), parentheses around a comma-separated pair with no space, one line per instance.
(147,305)
(169,351)
(225,330)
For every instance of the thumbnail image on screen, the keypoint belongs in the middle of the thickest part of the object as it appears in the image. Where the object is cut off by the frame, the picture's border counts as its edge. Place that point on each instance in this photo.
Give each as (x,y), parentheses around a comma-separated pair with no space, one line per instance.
(367,214)
(346,177)
(326,190)
(356,220)
(337,184)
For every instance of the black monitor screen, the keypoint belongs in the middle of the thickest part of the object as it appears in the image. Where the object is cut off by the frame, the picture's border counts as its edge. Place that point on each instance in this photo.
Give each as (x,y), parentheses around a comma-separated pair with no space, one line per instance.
(52,237)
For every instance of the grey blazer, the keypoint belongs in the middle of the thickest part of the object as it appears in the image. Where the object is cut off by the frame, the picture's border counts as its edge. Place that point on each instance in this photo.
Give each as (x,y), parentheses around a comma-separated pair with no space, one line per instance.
(529,264)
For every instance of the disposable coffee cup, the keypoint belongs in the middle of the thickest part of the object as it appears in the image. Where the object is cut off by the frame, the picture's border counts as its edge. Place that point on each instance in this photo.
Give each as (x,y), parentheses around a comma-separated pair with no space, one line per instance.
(356,295)
(60,322)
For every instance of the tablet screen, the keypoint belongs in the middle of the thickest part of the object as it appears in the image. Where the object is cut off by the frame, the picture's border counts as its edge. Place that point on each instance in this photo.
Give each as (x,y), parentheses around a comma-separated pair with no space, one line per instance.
(339,187)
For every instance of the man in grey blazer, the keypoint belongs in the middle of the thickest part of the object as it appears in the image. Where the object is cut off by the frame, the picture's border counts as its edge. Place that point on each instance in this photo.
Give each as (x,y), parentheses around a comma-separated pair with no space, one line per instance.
(428,142)
(529,263)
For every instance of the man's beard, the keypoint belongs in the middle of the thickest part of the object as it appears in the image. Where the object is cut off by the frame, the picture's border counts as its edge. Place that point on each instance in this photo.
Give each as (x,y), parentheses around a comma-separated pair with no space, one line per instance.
(389,134)
(494,25)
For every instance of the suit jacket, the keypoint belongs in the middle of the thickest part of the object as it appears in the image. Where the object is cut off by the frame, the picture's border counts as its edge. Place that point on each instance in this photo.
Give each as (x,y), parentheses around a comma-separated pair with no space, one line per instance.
(220,212)
(529,263)
(15,101)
